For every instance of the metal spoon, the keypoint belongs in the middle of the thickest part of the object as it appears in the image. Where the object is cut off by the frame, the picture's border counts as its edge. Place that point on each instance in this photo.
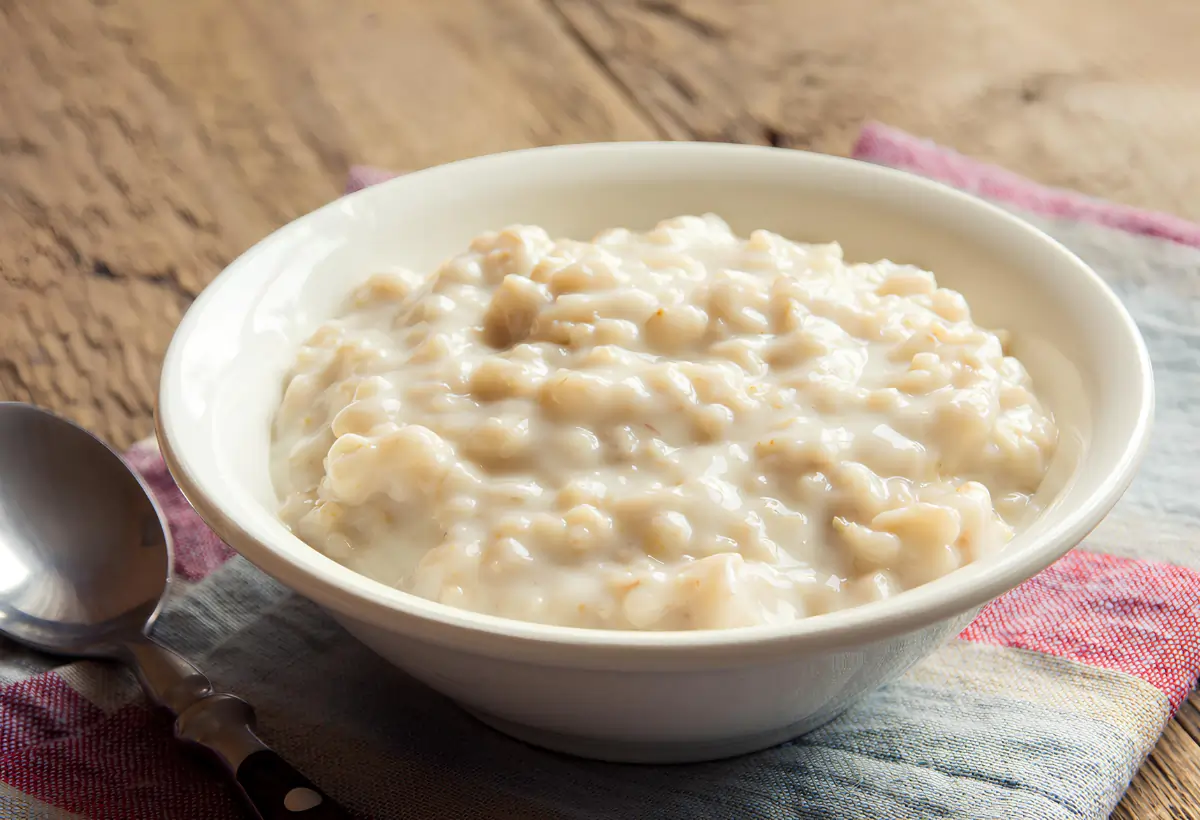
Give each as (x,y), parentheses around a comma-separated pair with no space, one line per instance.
(85,560)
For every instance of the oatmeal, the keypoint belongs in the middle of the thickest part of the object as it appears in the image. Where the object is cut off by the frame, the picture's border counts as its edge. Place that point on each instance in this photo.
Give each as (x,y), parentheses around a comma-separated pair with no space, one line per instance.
(678,429)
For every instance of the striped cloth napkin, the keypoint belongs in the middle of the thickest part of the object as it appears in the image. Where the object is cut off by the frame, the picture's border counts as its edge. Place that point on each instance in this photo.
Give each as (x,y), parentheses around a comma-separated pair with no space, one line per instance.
(1043,708)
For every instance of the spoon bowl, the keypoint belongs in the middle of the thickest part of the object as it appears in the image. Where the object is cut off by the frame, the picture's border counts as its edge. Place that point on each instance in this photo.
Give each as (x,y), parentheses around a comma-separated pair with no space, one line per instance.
(84,554)
(85,565)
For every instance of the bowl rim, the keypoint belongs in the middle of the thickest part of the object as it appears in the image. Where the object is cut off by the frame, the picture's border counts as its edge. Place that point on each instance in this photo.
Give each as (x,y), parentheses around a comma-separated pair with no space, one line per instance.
(365,600)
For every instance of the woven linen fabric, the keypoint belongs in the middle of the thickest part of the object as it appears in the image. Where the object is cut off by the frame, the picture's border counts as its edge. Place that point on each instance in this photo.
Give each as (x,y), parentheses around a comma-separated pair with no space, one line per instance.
(1043,708)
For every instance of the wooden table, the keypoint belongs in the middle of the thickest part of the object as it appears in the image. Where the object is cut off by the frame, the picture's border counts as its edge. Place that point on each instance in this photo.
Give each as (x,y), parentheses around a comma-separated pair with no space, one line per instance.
(145,143)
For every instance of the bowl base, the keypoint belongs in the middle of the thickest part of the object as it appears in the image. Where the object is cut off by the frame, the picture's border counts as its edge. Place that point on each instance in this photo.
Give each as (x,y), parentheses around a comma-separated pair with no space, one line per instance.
(649,752)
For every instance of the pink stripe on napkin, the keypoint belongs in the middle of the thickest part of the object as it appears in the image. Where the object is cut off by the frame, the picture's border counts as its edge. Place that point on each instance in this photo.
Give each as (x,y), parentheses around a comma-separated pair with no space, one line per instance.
(364,176)
(890,146)
(198,551)
(40,710)
(124,766)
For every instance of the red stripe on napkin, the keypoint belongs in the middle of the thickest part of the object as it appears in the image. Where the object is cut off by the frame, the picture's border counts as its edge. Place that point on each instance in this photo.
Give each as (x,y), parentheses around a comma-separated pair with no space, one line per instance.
(126,765)
(40,710)
(1137,617)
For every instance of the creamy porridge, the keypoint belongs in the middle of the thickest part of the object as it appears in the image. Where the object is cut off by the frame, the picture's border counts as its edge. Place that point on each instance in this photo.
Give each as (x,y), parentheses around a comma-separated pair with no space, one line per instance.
(679,429)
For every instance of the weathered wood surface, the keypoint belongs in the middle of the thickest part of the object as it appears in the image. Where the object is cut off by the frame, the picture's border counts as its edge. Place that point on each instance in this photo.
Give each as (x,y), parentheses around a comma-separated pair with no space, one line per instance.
(144,144)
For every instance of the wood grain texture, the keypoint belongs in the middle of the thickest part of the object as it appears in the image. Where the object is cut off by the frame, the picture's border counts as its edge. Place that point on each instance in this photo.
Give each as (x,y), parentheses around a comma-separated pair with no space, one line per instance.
(1098,95)
(1168,784)
(144,144)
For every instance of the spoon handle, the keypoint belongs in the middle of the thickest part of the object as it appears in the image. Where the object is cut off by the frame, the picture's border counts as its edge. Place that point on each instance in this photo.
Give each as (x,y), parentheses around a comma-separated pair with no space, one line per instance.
(224,725)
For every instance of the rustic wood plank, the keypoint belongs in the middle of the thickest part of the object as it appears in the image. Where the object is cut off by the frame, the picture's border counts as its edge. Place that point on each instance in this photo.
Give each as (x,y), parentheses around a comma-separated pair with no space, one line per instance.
(1168,784)
(145,144)
(1102,96)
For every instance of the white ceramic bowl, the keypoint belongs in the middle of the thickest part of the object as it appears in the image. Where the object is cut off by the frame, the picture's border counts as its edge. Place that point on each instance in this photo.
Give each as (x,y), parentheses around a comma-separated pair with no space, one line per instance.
(665,696)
